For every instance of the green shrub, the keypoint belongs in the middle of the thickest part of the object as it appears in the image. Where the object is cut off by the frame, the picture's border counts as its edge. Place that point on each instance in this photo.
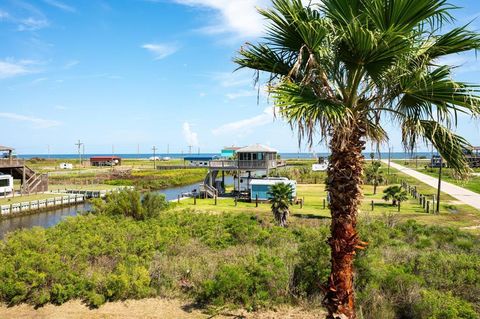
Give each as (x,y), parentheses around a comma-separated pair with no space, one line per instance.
(129,203)
(443,305)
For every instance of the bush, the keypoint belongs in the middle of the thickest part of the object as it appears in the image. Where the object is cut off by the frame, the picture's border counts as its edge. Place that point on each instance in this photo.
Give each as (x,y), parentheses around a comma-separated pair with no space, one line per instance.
(236,259)
(129,203)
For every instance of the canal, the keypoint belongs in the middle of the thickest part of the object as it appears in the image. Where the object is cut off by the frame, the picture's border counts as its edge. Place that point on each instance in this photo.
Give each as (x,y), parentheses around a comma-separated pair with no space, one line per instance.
(52,217)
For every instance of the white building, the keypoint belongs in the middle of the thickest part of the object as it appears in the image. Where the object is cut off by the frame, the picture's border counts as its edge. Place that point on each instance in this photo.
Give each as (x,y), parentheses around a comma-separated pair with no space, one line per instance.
(6,184)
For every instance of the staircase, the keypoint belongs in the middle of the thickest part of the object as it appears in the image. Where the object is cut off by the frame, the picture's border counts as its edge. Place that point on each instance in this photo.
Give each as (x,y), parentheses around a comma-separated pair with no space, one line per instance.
(34,182)
(205,188)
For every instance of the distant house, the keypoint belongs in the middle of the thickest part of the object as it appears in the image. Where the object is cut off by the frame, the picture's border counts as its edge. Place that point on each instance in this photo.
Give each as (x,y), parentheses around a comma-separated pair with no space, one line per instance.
(199,160)
(105,161)
(229,152)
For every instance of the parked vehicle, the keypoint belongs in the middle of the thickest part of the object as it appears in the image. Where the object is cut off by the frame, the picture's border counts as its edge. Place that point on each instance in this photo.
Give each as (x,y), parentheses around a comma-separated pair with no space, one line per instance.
(6,184)
(66,166)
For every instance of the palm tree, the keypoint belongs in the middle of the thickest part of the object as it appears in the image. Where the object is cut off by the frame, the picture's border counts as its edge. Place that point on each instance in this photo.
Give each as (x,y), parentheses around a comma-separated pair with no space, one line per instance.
(280,198)
(374,175)
(396,194)
(341,69)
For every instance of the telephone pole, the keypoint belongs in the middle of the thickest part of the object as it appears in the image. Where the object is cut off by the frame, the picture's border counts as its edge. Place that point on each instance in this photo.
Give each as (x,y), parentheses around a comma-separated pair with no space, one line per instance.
(154,149)
(190,149)
(439,184)
(79,145)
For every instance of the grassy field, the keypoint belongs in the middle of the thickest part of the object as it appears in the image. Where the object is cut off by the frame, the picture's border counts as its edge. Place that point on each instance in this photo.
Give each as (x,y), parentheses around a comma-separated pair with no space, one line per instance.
(472,183)
(454,215)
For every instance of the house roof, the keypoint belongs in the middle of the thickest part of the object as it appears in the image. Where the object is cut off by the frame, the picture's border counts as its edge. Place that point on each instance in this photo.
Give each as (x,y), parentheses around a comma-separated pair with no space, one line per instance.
(104,158)
(5,148)
(231,148)
(257,148)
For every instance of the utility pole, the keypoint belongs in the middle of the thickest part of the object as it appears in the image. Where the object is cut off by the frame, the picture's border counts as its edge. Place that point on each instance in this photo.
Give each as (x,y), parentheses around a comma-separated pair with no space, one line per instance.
(199,151)
(79,144)
(389,159)
(190,149)
(113,152)
(154,149)
(439,184)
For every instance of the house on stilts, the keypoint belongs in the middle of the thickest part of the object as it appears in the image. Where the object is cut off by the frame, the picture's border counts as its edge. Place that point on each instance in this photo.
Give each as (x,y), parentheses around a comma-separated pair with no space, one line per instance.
(31,181)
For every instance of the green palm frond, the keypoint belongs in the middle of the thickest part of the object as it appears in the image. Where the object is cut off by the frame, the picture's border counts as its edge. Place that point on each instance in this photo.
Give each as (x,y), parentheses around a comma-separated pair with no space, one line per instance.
(262,58)
(448,144)
(455,41)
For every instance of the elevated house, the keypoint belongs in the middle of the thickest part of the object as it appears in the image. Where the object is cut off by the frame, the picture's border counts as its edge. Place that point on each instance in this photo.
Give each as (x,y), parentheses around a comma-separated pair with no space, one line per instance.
(31,181)
(248,163)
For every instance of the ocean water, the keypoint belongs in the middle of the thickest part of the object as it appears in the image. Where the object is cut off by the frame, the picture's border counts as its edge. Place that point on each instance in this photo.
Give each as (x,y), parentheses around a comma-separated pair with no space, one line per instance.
(395,155)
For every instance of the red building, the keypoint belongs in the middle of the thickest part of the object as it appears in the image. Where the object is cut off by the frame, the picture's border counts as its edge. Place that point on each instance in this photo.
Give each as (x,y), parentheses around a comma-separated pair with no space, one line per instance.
(105,161)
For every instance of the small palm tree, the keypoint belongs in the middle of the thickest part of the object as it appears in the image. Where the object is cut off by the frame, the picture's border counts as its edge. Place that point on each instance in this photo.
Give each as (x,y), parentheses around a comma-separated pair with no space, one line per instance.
(342,69)
(280,198)
(374,175)
(396,194)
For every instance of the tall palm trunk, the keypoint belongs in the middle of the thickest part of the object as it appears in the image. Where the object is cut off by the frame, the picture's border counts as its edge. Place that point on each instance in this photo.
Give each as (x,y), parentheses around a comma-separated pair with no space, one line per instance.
(344,185)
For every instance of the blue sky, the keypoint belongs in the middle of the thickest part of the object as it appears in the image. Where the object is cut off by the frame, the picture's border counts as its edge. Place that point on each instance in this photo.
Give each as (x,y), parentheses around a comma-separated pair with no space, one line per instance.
(124,73)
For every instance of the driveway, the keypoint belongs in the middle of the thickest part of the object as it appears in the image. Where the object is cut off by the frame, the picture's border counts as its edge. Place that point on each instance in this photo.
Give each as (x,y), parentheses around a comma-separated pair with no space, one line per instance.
(461,194)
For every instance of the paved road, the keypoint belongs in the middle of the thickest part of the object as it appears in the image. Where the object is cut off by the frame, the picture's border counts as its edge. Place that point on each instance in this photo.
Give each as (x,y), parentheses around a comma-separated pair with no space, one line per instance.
(463,195)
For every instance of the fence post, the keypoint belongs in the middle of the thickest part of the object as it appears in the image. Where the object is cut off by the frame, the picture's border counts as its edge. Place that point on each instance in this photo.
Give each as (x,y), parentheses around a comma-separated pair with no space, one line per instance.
(194,199)
(215,196)
(324,203)
(256,200)
(373,205)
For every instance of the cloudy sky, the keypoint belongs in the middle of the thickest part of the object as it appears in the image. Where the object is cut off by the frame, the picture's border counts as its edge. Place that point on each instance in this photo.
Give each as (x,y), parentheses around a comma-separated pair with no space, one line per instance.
(128,73)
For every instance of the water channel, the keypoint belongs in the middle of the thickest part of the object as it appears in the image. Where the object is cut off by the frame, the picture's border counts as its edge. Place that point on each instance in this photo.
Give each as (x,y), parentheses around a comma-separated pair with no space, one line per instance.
(52,217)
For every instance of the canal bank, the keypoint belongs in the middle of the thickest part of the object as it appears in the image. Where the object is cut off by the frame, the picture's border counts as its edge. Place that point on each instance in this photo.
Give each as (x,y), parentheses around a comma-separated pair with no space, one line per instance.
(49,218)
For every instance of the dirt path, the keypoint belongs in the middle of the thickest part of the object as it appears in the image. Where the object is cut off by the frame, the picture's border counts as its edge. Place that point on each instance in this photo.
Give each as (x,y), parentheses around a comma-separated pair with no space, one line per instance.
(146,308)
(461,194)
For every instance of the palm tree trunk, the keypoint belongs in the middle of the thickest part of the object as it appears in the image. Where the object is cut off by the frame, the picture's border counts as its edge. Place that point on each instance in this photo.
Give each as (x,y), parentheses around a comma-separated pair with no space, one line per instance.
(344,185)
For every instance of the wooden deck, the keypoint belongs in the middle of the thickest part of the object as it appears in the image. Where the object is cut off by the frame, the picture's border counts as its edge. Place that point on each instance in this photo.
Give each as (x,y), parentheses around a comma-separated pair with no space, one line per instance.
(230,165)
(11,163)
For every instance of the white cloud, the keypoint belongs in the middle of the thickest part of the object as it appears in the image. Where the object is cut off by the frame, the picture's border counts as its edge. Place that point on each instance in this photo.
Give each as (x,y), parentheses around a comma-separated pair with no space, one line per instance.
(247,124)
(32,24)
(235,16)
(4,15)
(234,79)
(463,63)
(60,5)
(35,121)
(190,137)
(71,64)
(10,68)
(240,94)
(161,50)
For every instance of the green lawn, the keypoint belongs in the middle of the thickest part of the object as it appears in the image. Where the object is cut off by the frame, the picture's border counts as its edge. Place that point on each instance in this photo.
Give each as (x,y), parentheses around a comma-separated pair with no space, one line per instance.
(314,194)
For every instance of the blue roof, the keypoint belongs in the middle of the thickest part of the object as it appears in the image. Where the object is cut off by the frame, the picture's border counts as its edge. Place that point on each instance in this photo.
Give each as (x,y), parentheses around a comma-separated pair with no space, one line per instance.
(199,158)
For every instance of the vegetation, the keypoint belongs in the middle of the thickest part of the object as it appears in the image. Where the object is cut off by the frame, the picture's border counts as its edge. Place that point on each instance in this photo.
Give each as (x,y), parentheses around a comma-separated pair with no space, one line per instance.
(131,203)
(374,175)
(239,260)
(281,196)
(396,194)
(341,69)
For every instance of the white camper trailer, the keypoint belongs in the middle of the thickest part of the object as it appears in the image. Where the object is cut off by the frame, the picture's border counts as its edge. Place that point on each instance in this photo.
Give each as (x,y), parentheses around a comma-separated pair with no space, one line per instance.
(66,166)
(6,184)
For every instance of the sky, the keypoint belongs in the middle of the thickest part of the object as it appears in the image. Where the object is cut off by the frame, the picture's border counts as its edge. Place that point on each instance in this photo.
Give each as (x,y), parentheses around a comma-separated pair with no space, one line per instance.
(125,75)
